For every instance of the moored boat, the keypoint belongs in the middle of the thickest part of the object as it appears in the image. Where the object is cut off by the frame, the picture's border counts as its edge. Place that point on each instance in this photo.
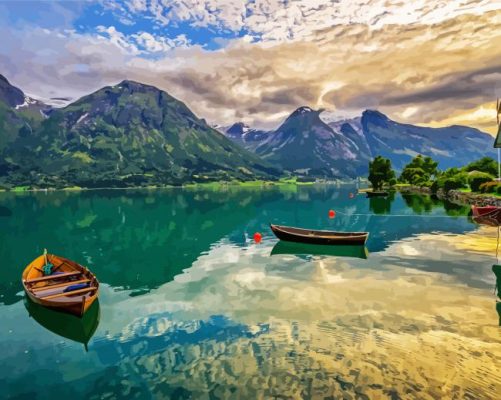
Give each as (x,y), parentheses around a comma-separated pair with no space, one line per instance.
(59,283)
(483,211)
(488,215)
(491,215)
(309,236)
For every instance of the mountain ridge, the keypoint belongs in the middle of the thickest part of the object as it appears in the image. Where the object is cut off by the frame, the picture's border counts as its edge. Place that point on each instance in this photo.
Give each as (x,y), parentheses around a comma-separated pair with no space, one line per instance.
(133,134)
(374,133)
(127,134)
(305,144)
(451,146)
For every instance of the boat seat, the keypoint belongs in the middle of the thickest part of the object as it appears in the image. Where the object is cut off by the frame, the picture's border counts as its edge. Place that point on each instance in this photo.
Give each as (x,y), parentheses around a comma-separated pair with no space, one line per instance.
(81,291)
(59,285)
(49,277)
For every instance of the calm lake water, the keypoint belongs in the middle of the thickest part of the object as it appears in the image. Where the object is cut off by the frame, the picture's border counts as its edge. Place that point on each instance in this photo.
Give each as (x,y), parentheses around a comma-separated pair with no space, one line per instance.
(191,307)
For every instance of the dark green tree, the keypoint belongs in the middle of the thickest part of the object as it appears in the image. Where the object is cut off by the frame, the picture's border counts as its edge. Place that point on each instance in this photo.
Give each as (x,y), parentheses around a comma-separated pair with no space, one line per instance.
(485,164)
(419,171)
(475,179)
(380,172)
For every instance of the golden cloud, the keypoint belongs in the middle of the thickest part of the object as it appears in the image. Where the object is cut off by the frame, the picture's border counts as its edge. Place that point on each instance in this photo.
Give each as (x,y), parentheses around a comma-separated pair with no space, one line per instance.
(423,73)
(431,74)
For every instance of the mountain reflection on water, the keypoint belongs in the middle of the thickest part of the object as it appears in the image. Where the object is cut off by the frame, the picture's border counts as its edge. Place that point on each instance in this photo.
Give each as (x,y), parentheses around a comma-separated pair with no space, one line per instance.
(220,317)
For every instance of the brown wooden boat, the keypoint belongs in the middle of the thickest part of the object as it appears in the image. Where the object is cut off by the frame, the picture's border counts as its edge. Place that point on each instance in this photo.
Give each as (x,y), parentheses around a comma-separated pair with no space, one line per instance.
(488,215)
(291,234)
(56,282)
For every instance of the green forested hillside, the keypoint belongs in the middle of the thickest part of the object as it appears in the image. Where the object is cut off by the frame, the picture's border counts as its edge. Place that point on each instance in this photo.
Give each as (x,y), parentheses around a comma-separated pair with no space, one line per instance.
(124,135)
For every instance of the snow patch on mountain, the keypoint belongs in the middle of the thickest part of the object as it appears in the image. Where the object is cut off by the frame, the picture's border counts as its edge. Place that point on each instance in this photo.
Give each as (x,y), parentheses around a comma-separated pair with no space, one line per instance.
(27,102)
(82,117)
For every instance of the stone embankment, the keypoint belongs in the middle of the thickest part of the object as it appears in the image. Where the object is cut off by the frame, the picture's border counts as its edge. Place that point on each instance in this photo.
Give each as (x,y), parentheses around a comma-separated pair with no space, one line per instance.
(456,196)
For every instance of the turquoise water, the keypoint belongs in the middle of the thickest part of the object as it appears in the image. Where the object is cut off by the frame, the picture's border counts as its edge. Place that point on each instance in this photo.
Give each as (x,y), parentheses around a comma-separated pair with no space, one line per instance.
(191,307)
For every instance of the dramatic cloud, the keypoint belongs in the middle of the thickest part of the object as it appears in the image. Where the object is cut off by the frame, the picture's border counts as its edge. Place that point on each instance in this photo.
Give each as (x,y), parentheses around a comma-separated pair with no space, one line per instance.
(433,63)
(279,20)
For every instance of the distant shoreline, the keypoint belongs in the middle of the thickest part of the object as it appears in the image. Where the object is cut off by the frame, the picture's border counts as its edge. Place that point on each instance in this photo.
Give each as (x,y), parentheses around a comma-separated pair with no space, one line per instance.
(206,185)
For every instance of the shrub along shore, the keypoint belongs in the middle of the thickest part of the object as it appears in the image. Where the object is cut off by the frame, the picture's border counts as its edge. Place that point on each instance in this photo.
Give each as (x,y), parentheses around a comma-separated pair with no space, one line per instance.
(286,181)
(455,196)
(474,183)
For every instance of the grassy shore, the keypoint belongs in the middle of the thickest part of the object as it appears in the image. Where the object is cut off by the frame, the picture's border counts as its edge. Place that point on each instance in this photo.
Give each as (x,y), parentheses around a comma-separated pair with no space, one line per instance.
(251,184)
(208,185)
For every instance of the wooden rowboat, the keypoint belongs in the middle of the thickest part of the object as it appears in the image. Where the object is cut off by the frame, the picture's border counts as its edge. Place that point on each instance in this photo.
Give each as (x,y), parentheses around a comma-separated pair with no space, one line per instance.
(483,211)
(69,287)
(488,215)
(291,234)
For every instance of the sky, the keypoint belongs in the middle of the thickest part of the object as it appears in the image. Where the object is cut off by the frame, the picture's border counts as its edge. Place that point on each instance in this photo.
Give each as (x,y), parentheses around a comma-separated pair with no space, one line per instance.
(427,62)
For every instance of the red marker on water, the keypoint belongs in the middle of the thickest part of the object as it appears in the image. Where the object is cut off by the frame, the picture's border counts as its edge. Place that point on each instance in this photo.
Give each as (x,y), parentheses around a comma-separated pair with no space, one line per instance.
(332,214)
(258,237)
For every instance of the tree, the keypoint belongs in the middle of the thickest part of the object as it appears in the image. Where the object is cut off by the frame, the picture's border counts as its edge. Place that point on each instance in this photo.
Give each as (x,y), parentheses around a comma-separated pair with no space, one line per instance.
(451,172)
(485,164)
(380,172)
(476,178)
(419,171)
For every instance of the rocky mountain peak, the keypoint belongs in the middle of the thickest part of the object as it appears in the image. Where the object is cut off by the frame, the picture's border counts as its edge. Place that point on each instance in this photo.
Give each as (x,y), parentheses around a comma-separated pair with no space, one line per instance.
(238,129)
(375,117)
(134,86)
(305,111)
(10,94)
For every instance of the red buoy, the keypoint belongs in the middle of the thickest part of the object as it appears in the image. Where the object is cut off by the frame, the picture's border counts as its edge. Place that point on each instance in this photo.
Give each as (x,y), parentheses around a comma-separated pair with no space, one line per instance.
(332,213)
(258,237)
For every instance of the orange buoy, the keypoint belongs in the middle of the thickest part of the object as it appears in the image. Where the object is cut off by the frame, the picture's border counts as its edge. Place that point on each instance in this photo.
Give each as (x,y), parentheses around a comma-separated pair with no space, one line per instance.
(332,213)
(258,237)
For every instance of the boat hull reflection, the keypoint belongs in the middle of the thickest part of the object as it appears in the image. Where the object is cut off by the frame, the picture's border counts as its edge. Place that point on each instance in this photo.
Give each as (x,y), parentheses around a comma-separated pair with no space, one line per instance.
(66,325)
(497,271)
(293,248)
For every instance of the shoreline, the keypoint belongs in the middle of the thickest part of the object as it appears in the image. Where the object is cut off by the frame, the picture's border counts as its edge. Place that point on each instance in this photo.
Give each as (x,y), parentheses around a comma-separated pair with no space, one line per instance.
(455,196)
(204,185)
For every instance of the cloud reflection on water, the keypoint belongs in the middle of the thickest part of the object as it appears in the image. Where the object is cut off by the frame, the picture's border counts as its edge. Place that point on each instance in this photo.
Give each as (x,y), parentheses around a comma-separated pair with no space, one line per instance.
(337,326)
(416,318)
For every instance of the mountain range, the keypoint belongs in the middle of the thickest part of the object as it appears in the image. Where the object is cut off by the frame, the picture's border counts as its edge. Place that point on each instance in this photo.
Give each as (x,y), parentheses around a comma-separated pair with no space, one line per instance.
(304,144)
(132,134)
(129,134)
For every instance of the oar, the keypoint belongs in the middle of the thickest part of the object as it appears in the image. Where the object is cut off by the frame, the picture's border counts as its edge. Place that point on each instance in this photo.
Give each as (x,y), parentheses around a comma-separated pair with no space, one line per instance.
(45,255)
